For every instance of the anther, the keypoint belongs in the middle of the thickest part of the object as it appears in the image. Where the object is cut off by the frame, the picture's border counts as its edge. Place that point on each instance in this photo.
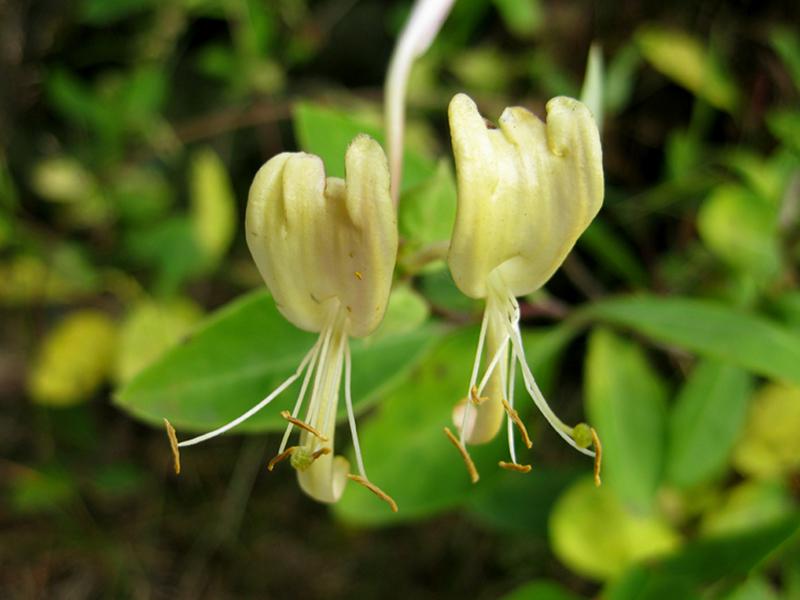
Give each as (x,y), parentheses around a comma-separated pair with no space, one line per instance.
(280,457)
(473,472)
(173,444)
(476,399)
(512,466)
(303,425)
(598,457)
(374,489)
(514,415)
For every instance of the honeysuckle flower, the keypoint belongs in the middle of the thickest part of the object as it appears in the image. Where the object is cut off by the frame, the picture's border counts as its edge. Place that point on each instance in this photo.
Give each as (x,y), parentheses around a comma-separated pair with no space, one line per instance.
(526,192)
(326,249)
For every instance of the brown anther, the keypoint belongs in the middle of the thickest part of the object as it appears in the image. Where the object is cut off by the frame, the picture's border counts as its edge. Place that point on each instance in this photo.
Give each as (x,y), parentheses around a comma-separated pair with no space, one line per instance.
(321,452)
(598,457)
(358,275)
(512,466)
(303,425)
(473,472)
(173,444)
(280,457)
(514,415)
(374,489)
(476,399)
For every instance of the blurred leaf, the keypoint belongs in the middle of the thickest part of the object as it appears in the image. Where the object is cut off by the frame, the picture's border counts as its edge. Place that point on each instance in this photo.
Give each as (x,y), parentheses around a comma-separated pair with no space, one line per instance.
(407,430)
(705,422)
(170,248)
(426,213)
(748,505)
(618,86)
(719,560)
(77,102)
(149,329)
(521,505)
(786,42)
(684,153)
(118,481)
(73,360)
(770,446)
(523,18)
(592,92)
(755,588)
(62,179)
(141,195)
(540,590)
(142,94)
(242,352)
(787,306)
(595,536)
(784,124)
(407,311)
(710,329)
(101,12)
(686,61)
(441,291)
(213,209)
(625,401)
(42,491)
(611,252)
(327,132)
(483,68)
(741,229)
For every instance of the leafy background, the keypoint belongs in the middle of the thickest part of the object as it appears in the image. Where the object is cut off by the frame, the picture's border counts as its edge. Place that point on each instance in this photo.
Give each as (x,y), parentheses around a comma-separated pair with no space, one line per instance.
(129,133)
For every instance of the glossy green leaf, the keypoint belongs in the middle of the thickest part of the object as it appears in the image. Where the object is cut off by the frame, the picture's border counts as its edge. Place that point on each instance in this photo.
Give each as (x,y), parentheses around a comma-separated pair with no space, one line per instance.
(405,450)
(705,422)
(540,590)
(240,354)
(626,403)
(594,534)
(719,561)
(686,61)
(710,329)
(327,132)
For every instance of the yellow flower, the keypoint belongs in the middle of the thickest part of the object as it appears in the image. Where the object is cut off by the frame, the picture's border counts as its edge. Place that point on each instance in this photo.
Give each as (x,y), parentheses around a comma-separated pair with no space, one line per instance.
(526,192)
(326,248)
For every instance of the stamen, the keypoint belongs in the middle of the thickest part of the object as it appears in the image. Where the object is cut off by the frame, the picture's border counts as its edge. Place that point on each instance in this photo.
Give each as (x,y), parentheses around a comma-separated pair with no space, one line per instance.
(598,457)
(474,377)
(511,466)
(303,425)
(514,416)
(321,452)
(348,400)
(374,489)
(173,444)
(492,365)
(246,415)
(280,457)
(473,472)
(475,398)
(301,396)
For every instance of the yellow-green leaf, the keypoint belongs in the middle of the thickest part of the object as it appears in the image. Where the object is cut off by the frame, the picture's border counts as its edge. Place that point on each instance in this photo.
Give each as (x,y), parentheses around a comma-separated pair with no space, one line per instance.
(213,204)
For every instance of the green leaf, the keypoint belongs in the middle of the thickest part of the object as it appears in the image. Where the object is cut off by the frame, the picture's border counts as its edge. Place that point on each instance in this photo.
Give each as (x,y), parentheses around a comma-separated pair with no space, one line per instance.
(741,229)
(611,252)
(626,403)
(327,132)
(710,329)
(594,534)
(407,433)
(748,505)
(213,211)
(592,92)
(427,213)
(770,446)
(540,590)
(523,18)
(686,61)
(240,354)
(705,422)
(755,588)
(719,561)
(787,44)
(618,86)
